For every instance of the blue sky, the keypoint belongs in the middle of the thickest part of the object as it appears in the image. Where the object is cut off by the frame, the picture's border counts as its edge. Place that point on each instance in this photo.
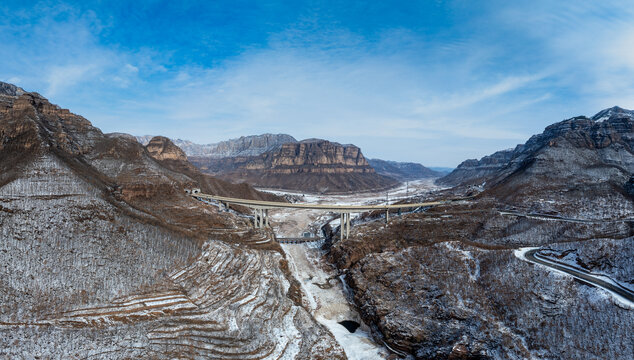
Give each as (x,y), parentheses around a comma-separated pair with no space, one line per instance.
(435,82)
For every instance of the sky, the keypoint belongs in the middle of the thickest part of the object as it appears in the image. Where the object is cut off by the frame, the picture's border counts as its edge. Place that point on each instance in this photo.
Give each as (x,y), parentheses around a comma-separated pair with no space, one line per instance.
(435,82)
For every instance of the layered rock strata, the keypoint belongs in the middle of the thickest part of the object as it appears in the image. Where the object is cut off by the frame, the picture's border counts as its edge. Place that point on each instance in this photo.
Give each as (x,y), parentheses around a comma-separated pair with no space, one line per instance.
(104,256)
(309,165)
(243,146)
(445,282)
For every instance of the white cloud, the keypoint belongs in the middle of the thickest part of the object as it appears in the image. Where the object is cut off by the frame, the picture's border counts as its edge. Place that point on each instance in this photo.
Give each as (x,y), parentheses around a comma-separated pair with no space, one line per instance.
(487,90)
(61,78)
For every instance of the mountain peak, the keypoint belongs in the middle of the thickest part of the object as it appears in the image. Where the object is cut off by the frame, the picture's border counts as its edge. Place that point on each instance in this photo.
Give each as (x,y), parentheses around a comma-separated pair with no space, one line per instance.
(10,89)
(615,111)
(162,148)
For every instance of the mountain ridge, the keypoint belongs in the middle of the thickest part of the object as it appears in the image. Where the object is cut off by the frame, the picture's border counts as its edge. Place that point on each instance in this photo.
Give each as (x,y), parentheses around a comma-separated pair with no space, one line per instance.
(103,253)
(243,146)
(608,127)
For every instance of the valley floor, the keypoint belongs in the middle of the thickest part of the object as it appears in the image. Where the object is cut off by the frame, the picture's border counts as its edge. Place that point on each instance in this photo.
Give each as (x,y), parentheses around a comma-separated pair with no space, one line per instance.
(325,293)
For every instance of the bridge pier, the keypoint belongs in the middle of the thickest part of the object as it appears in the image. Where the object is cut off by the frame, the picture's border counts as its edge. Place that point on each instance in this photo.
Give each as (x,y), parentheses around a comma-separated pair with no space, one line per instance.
(260,218)
(341,226)
(344,227)
(266,217)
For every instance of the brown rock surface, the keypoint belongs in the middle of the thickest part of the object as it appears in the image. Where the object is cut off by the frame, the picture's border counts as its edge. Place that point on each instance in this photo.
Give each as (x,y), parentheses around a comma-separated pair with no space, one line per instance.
(310,165)
(161,148)
(102,254)
(444,281)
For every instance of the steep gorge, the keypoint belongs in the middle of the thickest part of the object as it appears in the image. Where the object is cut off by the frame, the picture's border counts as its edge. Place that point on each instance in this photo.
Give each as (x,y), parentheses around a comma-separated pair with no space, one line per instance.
(103,255)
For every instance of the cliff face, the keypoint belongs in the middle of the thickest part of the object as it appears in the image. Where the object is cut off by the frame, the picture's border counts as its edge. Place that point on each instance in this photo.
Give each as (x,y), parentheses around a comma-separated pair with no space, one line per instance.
(161,148)
(445,283)
(309,165)
(103,255)
(243,146)
(608,137)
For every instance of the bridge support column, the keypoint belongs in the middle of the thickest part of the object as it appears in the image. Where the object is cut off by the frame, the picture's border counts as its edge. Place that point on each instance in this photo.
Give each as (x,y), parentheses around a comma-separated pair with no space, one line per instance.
(387,216)
(266,217)
(341,226)
(347,225)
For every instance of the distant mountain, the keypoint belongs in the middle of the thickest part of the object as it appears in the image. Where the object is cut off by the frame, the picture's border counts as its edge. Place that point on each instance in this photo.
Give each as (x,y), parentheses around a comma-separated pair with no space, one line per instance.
(243,146)
(311,165)
(572,163)
(102,253)
(441,169)
(473,170)
(450,283)
(402,171)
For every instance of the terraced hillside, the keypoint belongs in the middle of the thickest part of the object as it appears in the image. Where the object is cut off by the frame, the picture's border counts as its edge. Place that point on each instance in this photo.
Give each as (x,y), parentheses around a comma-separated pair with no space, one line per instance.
(102,255)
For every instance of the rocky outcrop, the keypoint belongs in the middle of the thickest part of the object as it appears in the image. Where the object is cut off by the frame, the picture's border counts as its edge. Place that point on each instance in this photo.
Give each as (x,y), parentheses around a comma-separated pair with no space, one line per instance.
(445,282)
(402,171)
(473,170)
(162,148)
(609,136)
(311,165)
(103,255)
(243,146)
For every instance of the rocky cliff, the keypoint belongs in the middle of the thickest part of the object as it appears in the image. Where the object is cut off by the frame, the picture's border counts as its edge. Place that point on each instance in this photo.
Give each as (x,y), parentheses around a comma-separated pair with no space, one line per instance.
(104,256)
(402,171)
(445,283)
(161,148)
(605,134)
(311,165)
(243,146)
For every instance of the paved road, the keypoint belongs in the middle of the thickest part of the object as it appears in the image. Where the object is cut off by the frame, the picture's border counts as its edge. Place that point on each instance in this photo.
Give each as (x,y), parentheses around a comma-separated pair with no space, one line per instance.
(589,278)
(354,208)
(561,218)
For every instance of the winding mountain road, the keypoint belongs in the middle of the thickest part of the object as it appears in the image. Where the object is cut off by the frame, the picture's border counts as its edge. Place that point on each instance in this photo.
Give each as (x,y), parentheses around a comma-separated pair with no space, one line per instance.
(587,277)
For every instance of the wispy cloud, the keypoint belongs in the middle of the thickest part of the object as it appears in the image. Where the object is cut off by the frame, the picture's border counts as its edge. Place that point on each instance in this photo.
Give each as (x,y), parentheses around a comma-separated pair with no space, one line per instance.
(485,82)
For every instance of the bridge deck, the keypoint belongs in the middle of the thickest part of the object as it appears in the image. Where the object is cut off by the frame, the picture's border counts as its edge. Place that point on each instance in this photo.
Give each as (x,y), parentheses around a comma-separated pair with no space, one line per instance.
(328,207)
(298,240)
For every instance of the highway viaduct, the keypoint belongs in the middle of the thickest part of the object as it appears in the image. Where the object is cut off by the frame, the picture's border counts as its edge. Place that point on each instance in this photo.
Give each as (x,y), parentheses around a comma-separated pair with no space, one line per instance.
(260,208)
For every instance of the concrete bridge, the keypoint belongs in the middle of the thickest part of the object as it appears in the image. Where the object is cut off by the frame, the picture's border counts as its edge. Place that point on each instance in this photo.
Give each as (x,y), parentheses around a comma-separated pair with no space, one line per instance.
(261,208)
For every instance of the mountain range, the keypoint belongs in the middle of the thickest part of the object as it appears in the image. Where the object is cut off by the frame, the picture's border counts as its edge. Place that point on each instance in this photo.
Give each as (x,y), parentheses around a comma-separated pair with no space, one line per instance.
(446,282)
(312,165)
(103,255)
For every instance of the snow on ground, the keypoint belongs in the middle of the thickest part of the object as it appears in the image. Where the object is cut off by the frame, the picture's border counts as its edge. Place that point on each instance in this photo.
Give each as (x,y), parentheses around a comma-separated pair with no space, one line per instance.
(325,296)
(403,191)
(325,299)
(521,254)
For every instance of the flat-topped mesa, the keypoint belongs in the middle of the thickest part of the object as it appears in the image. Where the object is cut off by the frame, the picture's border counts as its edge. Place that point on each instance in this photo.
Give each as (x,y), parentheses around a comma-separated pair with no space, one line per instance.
(162,148)
(317,157)
(312,165)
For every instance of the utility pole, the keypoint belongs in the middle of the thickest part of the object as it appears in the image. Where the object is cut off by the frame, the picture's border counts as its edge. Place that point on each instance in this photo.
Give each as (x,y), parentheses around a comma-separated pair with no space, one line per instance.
(407,189)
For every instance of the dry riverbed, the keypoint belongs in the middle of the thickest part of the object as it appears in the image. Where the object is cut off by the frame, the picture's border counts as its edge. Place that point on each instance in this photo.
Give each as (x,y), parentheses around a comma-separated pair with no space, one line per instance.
(325,293)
